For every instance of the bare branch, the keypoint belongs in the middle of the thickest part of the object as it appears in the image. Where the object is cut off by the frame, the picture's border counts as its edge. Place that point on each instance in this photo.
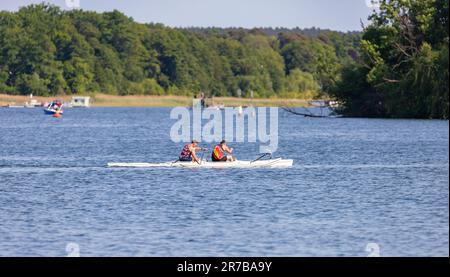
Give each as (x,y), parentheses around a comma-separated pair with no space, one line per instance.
(402,49)
(293,111)
(391,80)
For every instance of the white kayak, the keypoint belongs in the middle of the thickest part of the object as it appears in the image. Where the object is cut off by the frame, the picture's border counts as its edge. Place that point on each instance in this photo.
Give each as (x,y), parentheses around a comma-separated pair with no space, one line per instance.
(273,163)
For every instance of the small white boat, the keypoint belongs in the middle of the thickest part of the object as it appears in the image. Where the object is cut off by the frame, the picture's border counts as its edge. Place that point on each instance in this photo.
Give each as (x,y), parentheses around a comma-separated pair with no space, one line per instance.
(33,103)
(80,102)
(273,163)
(54,107)
(13,106)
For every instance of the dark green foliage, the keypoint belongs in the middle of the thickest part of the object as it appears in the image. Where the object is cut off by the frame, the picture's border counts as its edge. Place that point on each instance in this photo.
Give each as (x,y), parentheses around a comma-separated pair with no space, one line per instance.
(403,71)
(47,51)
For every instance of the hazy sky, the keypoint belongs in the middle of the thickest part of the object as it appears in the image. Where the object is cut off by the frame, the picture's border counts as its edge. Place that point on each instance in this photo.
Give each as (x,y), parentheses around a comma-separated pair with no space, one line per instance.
(340,15)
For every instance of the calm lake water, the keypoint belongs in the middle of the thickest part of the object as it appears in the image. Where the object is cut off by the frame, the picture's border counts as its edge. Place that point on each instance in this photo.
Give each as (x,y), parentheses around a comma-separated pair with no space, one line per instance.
(354,182)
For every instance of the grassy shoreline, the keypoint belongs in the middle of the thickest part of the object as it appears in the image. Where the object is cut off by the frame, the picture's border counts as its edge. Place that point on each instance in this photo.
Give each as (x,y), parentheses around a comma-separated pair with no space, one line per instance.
(105,100)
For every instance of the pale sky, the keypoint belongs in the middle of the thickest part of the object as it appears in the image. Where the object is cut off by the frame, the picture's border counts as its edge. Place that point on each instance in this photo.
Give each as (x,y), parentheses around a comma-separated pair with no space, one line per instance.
(341,15)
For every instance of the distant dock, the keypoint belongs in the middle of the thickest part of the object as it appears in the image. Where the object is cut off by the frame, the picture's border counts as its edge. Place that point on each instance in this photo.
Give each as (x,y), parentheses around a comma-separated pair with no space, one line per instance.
(105,100)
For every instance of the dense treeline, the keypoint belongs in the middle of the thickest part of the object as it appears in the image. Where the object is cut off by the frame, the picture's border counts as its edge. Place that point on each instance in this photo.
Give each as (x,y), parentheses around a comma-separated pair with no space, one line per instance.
(270,31)
(397,68)
(403,71)
(47,51)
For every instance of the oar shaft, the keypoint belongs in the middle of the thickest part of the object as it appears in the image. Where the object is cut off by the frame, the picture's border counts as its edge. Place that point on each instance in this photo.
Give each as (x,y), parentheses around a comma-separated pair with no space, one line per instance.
(262,156)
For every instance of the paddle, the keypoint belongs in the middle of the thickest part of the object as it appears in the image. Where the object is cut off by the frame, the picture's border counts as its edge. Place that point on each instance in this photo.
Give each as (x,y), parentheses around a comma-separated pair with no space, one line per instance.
(203,155)
(262,156)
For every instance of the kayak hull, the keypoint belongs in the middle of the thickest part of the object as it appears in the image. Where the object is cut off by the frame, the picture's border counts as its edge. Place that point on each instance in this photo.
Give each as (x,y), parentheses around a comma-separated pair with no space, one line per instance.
(275,163)
(51,111)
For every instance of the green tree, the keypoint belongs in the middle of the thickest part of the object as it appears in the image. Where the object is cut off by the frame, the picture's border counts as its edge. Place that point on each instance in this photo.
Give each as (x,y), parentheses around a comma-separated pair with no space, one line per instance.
(404,62)
(301,85)
(54,51)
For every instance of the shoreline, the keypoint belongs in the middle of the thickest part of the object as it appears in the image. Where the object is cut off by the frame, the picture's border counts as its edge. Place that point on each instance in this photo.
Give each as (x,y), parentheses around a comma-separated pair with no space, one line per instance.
(105,100)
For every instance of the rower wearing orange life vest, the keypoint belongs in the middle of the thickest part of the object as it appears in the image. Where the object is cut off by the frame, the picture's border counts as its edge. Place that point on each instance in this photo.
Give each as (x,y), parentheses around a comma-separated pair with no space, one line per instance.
(220,152)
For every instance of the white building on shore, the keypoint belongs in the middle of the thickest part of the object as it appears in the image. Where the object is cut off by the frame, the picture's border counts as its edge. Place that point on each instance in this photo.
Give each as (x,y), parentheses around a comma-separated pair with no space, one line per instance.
(80,102)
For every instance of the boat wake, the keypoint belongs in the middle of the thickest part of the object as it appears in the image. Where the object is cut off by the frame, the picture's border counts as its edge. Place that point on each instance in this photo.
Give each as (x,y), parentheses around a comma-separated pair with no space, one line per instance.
(373,166)
(273,164)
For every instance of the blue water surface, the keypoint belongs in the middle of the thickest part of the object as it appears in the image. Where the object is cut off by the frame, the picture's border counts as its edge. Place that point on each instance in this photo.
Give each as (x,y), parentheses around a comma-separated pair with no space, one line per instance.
(354,182)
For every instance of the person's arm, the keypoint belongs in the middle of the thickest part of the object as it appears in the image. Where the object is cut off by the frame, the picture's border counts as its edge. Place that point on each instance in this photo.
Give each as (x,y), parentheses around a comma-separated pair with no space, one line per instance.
(228,150)
(194,156)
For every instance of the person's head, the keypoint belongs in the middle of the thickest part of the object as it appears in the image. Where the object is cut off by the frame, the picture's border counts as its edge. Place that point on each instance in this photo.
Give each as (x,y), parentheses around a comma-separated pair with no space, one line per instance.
(223,142)
(194,143)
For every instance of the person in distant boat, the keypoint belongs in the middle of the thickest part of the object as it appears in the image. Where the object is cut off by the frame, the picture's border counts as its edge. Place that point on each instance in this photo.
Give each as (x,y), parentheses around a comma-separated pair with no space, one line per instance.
(222,153)
(188,152)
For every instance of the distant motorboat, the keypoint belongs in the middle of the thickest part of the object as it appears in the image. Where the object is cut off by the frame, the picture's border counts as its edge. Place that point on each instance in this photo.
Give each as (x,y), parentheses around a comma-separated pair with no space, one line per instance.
(53,111)
(319,103)
(54,107)
(33,104)
(15,106)
(335,104)
(324,104)
(216,107)
(240,110)
(80,102)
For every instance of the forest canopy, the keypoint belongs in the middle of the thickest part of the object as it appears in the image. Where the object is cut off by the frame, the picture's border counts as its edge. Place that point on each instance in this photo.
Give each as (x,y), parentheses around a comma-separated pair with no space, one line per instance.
(48,51)
(396,67)
(403,70)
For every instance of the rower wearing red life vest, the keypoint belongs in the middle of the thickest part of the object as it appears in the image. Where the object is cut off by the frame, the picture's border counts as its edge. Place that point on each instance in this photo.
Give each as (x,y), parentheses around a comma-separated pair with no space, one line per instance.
(188,152)
(220,151)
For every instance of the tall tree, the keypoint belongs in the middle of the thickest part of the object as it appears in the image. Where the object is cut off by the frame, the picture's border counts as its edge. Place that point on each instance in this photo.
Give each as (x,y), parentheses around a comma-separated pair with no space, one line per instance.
(405,60)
